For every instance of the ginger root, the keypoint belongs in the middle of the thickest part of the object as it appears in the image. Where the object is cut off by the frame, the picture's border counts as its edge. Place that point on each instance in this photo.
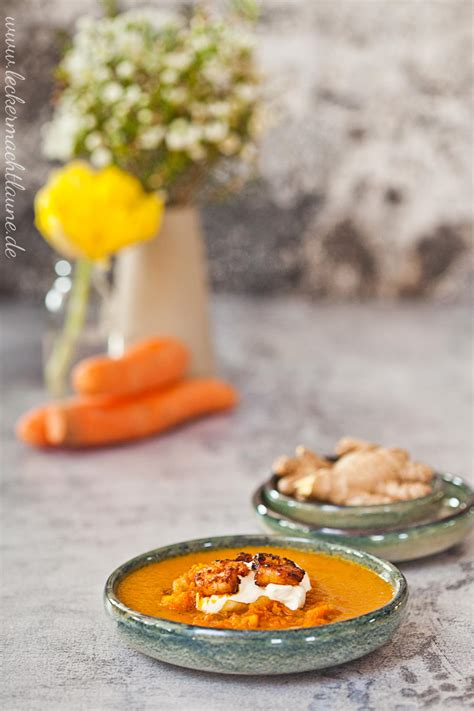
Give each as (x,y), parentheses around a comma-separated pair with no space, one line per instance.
(304,461)
(364,474)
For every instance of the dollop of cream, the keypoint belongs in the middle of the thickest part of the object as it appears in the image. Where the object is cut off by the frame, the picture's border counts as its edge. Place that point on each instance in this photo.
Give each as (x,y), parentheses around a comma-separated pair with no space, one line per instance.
(292,596)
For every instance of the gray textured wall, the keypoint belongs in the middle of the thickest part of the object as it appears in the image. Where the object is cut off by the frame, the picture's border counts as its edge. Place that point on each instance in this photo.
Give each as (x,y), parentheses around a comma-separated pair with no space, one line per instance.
(366,184)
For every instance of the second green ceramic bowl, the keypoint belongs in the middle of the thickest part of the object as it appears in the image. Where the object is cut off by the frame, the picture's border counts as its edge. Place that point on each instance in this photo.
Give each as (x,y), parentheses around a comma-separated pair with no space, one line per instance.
(446,527)
(377,516)
(257,651)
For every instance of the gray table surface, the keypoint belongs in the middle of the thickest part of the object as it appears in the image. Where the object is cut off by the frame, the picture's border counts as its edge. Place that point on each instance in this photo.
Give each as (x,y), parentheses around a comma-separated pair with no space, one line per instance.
(307,373)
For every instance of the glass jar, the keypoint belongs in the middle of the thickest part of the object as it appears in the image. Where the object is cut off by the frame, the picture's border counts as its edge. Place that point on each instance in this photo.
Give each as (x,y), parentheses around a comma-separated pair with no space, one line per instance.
(78,308)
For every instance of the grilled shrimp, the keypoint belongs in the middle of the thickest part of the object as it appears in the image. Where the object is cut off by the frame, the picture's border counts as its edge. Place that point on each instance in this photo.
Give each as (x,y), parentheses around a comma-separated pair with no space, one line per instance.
(245,557)
(220,578)
(274,569)
(223,576)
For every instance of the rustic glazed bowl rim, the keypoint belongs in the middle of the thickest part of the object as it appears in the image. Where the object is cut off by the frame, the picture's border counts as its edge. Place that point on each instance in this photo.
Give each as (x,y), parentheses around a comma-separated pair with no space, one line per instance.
(393,576)
(395,507)
(404,529)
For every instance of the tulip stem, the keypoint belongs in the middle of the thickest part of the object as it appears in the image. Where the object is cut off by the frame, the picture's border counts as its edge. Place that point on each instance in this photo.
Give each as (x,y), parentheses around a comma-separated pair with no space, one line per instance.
(58,363)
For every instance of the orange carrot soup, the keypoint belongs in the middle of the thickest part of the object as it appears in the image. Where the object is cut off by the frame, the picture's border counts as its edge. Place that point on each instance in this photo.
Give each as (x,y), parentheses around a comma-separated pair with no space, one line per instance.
(258,588)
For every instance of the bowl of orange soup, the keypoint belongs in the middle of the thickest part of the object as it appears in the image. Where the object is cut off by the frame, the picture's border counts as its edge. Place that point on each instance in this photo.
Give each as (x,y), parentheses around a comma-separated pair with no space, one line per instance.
(256,604)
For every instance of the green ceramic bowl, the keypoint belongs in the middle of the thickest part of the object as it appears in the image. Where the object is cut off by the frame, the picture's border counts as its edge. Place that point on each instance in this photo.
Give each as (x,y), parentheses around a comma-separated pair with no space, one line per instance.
(254,651)
(450,523)
(377,516)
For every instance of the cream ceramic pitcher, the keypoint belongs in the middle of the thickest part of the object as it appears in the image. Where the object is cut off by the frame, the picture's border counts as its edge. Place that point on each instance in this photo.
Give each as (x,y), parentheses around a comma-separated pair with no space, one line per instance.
(161,289)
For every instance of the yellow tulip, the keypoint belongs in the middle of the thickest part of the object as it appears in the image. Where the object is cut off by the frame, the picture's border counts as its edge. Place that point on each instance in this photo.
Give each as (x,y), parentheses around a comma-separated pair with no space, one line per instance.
(88,214)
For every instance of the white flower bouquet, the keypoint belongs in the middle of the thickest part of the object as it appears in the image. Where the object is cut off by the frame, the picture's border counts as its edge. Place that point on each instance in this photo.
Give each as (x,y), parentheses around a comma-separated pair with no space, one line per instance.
(175,101)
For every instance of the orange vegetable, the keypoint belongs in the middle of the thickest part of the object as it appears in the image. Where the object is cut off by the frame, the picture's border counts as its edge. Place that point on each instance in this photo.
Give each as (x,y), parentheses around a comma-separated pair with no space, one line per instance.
(150,364)
(80,423)
(31,427)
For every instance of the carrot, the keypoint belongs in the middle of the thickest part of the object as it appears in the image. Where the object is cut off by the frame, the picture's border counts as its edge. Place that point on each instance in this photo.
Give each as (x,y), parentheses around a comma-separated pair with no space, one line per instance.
(74,424)
(31,427)
(154,363)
